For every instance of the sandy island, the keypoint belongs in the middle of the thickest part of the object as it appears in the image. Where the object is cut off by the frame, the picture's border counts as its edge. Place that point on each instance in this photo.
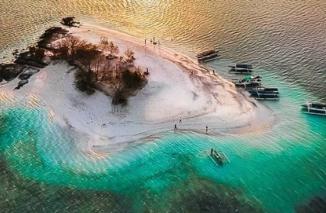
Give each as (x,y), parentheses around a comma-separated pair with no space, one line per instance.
(177,88)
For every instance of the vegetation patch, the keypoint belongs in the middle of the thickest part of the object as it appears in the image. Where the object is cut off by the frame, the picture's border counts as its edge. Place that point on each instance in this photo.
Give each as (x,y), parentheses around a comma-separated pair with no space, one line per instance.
(100,66)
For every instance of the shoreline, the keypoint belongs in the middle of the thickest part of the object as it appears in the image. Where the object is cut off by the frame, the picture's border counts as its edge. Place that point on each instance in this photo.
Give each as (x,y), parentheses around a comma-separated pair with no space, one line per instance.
(199,98)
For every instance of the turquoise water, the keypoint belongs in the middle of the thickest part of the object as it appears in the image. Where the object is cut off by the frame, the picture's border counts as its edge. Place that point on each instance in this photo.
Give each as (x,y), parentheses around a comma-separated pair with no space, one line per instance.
(274,171)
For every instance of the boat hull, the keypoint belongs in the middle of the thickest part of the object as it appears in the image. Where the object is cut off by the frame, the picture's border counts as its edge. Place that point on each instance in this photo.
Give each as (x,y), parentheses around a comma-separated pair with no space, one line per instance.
(314,108)
(207,58)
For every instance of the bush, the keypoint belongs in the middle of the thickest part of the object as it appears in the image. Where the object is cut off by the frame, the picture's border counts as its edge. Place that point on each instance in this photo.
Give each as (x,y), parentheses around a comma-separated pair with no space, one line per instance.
(50,35)
(119,97)
(69,21)
(84,82)
(133,80)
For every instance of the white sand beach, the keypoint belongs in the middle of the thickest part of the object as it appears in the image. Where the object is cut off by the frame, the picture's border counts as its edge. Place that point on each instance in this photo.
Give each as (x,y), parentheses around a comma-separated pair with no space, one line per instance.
(178,88)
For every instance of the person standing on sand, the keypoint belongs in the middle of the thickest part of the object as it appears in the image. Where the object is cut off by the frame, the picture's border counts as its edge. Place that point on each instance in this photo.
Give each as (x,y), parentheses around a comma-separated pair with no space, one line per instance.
(206,129)
(175,126)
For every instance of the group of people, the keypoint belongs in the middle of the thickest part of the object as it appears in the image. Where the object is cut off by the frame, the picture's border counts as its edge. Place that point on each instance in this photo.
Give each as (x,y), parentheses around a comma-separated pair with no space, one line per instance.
(180,121)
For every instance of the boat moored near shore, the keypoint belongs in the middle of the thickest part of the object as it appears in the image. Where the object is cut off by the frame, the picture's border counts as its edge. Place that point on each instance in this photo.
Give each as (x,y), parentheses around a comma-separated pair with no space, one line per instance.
(241,68)
(253,85)
(259,95)
(314,108)
(207,55)
(266,90)
(248,82)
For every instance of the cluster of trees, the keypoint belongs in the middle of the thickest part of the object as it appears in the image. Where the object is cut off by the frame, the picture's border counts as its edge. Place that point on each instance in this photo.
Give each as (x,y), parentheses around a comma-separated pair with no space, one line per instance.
(102,63)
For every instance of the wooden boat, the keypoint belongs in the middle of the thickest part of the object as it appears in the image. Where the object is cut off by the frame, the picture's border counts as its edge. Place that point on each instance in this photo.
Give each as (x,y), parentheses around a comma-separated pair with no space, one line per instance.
(248,78)
(265,90)
(218,157)
(314,108)
(241,68)
(264,96)
(207,55)
(248,82)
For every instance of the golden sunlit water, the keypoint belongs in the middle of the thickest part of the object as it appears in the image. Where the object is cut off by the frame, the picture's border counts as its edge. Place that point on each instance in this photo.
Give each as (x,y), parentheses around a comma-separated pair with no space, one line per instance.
(287,36)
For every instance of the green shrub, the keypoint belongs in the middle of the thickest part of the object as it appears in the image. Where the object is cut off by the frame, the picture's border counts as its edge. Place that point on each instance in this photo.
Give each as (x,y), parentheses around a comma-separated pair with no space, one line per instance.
(133,80)
(119,97)
(84,82)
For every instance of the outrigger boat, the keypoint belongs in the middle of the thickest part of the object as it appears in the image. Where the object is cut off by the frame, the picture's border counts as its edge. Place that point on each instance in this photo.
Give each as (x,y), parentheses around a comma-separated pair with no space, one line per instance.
(259,95)
(218,157)
(207,55)
(264,90)
(248,82)
(314,108)
(241,68)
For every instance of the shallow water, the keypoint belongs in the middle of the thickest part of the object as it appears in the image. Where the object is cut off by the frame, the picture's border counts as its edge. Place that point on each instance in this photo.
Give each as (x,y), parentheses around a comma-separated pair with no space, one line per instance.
(43,167)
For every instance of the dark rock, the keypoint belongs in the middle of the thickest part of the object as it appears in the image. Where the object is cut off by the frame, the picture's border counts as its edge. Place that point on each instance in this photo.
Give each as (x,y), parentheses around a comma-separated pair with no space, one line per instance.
(32,58)
(21,83)
(27,74)
(9,72)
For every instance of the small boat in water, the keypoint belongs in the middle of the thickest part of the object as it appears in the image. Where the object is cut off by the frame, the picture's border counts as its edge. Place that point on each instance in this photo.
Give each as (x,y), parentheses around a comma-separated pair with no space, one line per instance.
(314,108)
(265,90)
(248,82)
(258,95)
(207,56)
(241,68)
(218,157)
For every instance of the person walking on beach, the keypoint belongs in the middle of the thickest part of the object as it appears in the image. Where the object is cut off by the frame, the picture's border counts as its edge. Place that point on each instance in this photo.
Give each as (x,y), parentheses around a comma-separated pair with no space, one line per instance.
(206,129)
(175,126)
(145,41)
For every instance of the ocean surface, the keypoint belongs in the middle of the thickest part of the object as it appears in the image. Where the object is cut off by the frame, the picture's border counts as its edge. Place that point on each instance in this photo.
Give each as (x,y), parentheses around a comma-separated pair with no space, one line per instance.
(41,170)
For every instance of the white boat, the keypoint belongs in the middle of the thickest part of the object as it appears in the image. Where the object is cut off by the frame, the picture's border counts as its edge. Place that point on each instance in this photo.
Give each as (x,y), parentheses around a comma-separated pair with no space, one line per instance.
(264,96)
(265,90)
(314,108)
(241,68)
(218,157)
